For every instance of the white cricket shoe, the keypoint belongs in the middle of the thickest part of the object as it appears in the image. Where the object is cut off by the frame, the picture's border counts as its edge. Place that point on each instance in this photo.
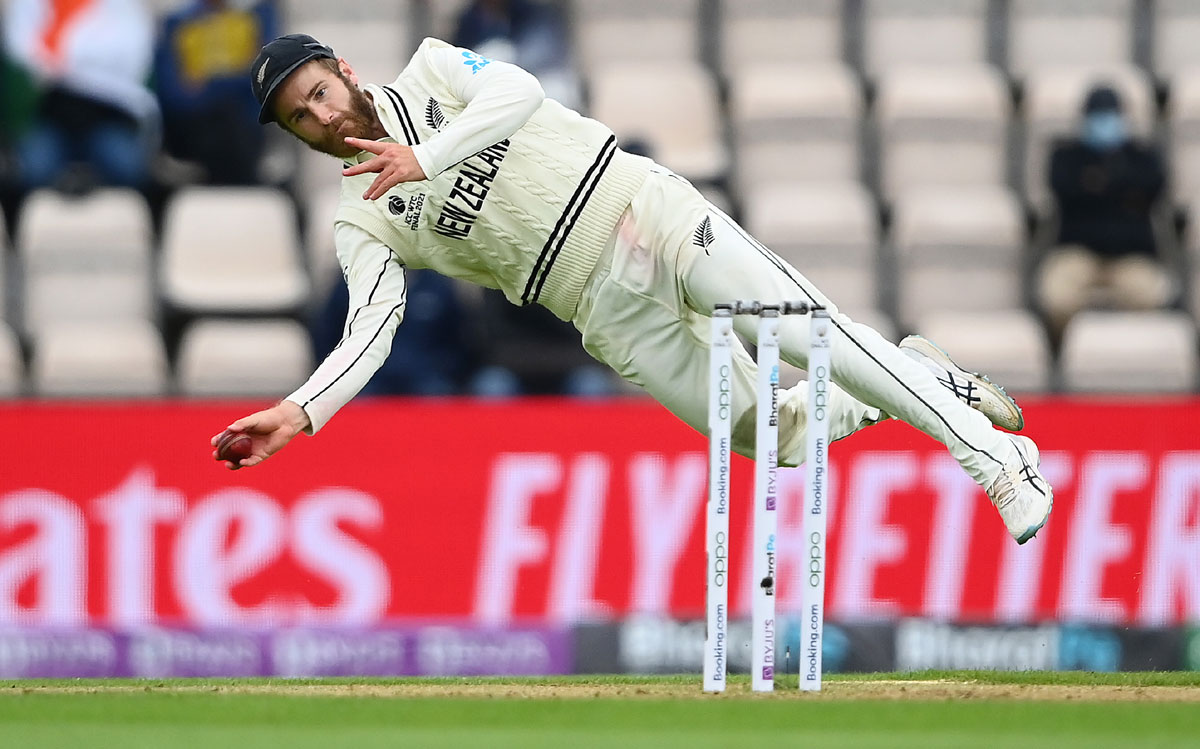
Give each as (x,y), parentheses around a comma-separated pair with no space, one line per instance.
(1020,493)
(972,388)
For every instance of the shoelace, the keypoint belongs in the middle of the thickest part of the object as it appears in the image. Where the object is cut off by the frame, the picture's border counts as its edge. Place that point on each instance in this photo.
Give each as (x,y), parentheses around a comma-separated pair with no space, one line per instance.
(1006,494)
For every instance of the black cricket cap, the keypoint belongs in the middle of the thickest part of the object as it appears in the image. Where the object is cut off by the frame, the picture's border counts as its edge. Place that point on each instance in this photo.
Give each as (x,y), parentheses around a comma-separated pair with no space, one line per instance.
(276,61)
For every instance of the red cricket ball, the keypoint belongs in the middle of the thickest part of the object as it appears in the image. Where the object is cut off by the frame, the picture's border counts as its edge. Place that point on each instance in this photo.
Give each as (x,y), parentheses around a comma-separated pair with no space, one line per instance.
(233,446)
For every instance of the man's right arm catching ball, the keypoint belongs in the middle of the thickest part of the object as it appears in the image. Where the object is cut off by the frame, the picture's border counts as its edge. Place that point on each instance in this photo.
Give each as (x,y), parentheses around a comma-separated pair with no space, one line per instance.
(268,431)
(375,277)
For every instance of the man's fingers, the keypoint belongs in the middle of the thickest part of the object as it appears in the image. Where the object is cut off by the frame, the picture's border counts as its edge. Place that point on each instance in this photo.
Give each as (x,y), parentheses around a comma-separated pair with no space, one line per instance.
(252,424)
(268,430)
(253,460)
(370,165)
(382,184)
(366,145)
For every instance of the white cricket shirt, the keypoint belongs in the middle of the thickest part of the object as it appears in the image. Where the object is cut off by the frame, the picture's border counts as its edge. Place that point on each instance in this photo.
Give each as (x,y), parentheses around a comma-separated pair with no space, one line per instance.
(523,195)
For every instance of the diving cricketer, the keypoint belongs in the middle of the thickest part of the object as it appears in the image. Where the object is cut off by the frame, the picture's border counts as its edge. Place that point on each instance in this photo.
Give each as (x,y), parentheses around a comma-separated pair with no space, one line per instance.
(462,165)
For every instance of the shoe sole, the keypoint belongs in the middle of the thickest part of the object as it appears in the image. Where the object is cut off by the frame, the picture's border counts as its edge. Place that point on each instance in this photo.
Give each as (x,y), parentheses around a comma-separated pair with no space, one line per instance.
(1031,451)
(1031,531)
(1011,418)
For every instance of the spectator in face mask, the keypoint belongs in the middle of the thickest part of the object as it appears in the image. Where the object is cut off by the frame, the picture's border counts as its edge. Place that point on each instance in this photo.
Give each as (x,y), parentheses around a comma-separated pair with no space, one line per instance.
(1106,187)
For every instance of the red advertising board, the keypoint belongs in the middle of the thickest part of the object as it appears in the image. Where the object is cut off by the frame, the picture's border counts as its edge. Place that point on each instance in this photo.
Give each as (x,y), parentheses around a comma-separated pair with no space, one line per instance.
(115,514)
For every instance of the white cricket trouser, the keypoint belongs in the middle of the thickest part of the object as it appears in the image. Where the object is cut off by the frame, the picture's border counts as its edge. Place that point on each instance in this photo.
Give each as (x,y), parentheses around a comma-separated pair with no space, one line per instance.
(645,313)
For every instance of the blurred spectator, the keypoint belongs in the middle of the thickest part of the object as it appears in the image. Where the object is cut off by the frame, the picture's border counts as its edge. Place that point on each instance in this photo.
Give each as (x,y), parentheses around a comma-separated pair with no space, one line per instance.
(429,352)
(210,115)
(529,351)
(20,101)
(1107,188)
(529,33)
(90,61)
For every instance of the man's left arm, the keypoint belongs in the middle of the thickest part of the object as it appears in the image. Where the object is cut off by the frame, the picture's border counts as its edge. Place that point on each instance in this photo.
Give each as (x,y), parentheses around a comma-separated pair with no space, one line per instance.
(499,98)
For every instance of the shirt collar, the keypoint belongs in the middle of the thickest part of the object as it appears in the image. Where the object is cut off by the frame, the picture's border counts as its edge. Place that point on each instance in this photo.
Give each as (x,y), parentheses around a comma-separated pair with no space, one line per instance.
(386,116)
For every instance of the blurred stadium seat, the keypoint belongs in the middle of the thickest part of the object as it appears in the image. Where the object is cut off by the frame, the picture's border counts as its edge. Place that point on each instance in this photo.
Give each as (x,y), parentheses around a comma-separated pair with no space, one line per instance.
(1010,345)
(616,32)
(219,357)
(946,33)
(315,171)
(1052,33)
(1176,28)
(942,126)
(672,107)
(785,33)
(12,366)
(116,359)
(110,225)
(1191,253)
(796,124)
(232,250)
(321,253)
(1130,352)
(86,258)
(443,17)
(811,222)
(1183,125)
(957,250)
(360,11)
(159,7)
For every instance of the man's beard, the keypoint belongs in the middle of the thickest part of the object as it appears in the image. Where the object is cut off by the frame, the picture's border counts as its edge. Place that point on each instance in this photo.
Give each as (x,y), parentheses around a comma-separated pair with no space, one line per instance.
(360,122)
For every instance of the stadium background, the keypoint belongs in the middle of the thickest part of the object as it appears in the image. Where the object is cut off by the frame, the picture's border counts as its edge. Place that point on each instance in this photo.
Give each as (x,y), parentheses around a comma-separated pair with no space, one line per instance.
(893,150)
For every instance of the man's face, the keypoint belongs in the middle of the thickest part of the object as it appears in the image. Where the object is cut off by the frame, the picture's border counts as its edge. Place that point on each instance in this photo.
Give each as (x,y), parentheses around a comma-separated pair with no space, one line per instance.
(322,108)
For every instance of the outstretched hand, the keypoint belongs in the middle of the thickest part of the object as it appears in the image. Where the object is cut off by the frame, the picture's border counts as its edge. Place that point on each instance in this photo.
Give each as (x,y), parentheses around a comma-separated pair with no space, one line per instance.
(269,432)
(394,162)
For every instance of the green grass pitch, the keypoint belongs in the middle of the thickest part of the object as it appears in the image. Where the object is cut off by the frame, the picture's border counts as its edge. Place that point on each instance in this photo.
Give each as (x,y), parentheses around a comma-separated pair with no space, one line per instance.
(926,710)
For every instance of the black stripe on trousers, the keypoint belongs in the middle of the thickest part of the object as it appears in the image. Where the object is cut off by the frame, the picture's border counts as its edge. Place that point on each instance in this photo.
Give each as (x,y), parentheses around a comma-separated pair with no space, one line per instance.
(774,260)
(574,207)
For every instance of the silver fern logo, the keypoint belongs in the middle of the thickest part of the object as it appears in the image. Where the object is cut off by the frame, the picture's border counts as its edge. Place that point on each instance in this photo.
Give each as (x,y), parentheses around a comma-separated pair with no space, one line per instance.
(262,72)
(433,114)
(704,237)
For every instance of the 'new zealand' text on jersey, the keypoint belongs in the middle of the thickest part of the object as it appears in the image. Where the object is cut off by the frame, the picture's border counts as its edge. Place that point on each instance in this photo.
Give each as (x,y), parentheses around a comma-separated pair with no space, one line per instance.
(529,215)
